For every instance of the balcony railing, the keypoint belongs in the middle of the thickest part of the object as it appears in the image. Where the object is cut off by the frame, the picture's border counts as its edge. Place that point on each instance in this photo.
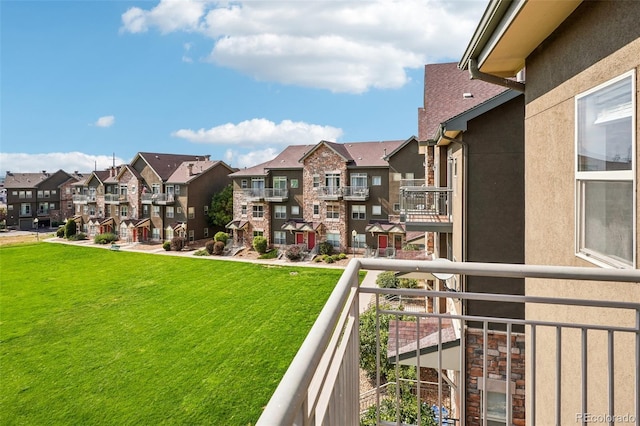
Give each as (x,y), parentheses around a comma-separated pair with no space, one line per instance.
(570,352)
(254,194)
(84,199)
(276,194)
(112,198)
(329,192)
(355,193)
(158,198)
(426,208)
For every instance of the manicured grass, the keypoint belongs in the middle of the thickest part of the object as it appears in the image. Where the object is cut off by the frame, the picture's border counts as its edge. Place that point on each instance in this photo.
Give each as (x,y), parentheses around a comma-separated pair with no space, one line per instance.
(90,336)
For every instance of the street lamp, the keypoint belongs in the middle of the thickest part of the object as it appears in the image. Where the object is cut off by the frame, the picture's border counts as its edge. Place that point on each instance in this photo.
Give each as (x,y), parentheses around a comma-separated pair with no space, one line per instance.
(35,223)
(354,234)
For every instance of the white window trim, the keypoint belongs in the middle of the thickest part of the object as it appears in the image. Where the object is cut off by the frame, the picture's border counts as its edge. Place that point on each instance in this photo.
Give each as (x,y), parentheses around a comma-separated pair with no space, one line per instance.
(597,259)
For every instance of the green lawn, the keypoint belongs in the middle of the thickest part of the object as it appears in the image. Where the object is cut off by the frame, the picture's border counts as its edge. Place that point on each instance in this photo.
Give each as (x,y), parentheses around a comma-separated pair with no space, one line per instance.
(91,336)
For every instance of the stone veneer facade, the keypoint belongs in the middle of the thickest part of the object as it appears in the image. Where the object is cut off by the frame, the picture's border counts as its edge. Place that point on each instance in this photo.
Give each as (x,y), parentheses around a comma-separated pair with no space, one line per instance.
(496,372)
(323,160)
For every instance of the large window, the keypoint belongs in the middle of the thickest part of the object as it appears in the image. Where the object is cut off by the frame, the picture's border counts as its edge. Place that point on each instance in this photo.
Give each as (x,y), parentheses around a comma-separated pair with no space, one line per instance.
(332,180)
(258,211)
(358,212)
(280,212)
(170,212)
(333,238)
(359,180)
(279,237)
(605,147)
(280,182)
(191,212)
(333,211)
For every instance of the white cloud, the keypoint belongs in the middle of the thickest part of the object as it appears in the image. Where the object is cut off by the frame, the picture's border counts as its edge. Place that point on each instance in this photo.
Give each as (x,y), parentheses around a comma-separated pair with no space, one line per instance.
(260,132)
(106,121)
(248,159)
(185,56)
(67,161)
(339,45)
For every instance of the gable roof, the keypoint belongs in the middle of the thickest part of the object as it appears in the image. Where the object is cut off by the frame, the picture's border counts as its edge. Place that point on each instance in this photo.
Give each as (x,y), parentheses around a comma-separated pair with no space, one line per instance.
(361,154)
(287,159)
(30,180)
(444,89)
(125,167)
(165,164)
(183,175)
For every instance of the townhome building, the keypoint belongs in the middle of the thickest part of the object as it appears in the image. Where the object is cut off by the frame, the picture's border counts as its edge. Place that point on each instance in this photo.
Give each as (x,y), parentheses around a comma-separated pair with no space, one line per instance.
(346,194)
(471,205)
(580,63)
(155,197)
(32,196)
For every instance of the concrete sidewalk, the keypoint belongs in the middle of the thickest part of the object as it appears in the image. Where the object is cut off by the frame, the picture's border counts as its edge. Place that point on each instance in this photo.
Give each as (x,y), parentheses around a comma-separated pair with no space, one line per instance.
(369,281)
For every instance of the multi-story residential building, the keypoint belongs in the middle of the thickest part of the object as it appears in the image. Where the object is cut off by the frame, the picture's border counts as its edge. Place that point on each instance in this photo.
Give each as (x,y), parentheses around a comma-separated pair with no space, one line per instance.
(345,194)
(582,66)
(155,197)
(34,195)
(472,207)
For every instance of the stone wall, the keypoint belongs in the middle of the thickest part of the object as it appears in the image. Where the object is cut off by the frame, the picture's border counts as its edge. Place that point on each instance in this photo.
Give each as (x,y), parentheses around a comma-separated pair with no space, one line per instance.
(496,371)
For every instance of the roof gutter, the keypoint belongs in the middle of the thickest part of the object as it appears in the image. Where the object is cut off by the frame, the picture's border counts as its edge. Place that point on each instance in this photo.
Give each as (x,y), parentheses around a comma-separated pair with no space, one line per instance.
(476,74)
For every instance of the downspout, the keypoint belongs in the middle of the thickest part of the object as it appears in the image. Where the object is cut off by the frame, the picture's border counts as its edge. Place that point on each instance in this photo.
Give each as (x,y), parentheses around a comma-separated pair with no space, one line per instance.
(476,74)
(463,347)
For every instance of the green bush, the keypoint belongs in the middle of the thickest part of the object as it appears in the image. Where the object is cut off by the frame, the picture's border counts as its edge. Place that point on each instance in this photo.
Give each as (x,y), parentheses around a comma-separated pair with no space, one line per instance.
(218,248)
(294,252)
(77,237)
(260,244)
(318,259)
(329,259)
(411,247)
(342,256)
(105,238)
(60,232)
(201,252)
(325,247)
(166,245)
(387,279)
(70,228)
(407,283)
(209,246)
(178,243)
(271,254)
(221,236)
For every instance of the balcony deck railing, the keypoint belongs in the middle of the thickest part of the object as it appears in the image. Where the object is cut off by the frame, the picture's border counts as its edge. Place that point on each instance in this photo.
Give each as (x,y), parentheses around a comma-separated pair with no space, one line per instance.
(329,192)
(112,198)
(321,385)
(276,194)
(254,194)
(84,199)
(425,205)
(355,193)
(157,198)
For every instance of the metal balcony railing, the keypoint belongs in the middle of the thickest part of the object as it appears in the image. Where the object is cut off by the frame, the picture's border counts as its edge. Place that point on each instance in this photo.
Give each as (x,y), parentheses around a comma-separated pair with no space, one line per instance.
(420,205)
(254,194)
(276,194)
(84,199)
(568,343)
(157,198)
(355,193)
(111,198)
(329,192)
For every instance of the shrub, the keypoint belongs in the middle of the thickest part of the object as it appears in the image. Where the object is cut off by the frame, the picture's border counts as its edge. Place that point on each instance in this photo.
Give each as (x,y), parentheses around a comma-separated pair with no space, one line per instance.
(318,259)
(271,254)
(70,228)
(407,283)
(260,244)
(77,237)
(329,259)
(178,243)
(387,279)
(218,248)
(105,238)
(166,245)
(209,246)
(294,252)
(221,236)
(411,247)
(60,232)
(201,252)
(325,247)
(342,256)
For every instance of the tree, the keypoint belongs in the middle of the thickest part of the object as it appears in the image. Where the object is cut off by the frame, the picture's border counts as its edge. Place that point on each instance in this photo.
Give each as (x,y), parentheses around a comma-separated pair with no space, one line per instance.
(70,228)
(221,211)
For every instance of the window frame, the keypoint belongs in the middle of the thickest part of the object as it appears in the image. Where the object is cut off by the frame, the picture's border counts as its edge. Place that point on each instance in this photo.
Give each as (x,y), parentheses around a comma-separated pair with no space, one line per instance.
(358,212)
(332,211)
(257,211)
(583,177)
(280,237)
(280,212)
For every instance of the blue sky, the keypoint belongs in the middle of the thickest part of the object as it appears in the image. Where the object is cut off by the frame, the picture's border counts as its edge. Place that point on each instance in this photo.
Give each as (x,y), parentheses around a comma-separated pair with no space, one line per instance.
(81,81)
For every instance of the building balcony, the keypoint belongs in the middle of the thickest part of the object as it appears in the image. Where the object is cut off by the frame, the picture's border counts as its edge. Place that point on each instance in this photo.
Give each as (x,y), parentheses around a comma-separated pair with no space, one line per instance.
(276,194)
(44,212)
(84,199)
(254,194)
(565,371)
(426,209)
(355,193)
(329,193)
(112,198)
(158,199)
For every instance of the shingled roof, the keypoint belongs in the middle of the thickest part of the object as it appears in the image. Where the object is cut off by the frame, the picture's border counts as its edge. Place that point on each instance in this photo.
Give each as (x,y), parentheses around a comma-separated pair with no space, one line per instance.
(445,87)
(190,170)
(166,164)
(26,180)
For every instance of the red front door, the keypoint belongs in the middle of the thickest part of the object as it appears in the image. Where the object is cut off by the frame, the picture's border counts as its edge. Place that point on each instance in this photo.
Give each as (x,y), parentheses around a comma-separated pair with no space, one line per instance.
(299,238)
(311,238)
(383,241)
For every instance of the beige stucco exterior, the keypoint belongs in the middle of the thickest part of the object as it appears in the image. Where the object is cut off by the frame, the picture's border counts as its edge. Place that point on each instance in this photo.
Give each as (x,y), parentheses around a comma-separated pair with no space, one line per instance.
(550,239)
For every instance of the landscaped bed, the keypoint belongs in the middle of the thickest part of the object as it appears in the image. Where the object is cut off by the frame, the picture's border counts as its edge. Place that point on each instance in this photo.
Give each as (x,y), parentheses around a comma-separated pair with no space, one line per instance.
(99,337)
